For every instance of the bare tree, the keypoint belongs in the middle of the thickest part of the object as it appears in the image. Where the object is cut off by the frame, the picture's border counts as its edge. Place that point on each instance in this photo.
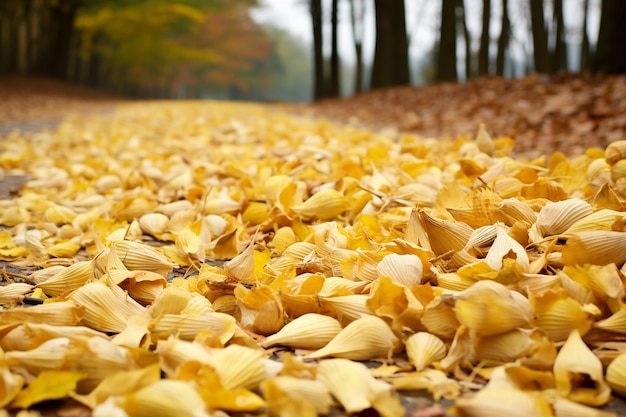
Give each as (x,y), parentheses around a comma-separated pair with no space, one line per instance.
(462,22)
(333,88)
(315,7)
(610,57)
(585,49)
(483,52)
(446,56)
(357,14)
(503,40)
(391,54)
(540,36)
(558,59)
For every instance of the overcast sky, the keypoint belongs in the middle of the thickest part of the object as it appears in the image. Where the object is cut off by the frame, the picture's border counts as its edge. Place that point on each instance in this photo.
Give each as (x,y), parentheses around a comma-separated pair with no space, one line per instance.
(422,22)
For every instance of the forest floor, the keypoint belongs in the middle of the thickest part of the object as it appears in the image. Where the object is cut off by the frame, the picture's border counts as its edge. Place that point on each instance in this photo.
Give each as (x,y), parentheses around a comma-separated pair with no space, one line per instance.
(568,114)
(543,114)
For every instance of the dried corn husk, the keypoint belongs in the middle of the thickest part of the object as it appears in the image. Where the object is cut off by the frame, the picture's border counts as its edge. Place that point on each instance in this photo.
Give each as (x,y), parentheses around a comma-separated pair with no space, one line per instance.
(14,292)
(63,313)
(403,269)
(616,374)
(165,398)
(296,395)
(310,331)
(423,349)
(499,402)
(489,308)
(107,308)
(10,386)
(136,256)
(366,338)
(555,218)
(574,361)
(355,388)
(597,247)
(69,279)
(323,205)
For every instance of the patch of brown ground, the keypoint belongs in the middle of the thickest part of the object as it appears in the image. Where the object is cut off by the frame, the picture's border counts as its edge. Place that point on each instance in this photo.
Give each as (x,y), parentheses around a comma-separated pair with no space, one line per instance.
(543,114)
(28,102)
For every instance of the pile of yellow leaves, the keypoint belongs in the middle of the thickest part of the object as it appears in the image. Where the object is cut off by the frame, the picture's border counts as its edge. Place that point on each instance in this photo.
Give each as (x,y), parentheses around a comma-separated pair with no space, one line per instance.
(495,282)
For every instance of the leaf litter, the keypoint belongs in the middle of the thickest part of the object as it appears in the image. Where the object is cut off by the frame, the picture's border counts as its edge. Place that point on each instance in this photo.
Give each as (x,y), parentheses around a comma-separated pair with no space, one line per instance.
(308,249)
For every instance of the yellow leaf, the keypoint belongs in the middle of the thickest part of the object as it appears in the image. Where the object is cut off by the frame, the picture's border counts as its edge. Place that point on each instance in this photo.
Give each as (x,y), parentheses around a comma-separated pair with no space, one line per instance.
(49,385)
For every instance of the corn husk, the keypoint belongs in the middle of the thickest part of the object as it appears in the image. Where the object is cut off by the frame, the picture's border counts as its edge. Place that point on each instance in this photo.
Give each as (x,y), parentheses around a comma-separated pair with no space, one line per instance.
(566,408)
(423,349)
(489,308)
(558,314)
(574,361)
(107,308)
(347,308)
(30,335)
(63,313)
(49,355)
(14,292)
(10,386)
(69,279)
(165,398)
(310,331)
(616,323)
(154,224)
(355,388)
(323,205)
(239,367)
(287,394)
(136,256)
(500,402)
(403,269)
(597,247)
(188,326)
(556,218)
(616,374)
(366,338)
(445,235)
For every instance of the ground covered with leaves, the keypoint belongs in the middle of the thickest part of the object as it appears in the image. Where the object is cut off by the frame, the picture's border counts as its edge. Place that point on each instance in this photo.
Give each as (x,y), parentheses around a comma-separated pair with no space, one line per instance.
(203,258)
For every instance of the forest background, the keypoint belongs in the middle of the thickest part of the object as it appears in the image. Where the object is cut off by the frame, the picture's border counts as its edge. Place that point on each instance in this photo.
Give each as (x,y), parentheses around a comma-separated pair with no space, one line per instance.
(220,49)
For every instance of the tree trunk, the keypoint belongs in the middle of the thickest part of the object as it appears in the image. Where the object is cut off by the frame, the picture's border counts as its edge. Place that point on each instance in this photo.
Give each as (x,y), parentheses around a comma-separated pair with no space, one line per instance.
(585,49)
(391,54)
(57,54)
(318,55)
(446,58)
(503,40)
(333,90)
(610,57)
(559,55)
(356,18)
(462,22)
(540,37)
(483,52)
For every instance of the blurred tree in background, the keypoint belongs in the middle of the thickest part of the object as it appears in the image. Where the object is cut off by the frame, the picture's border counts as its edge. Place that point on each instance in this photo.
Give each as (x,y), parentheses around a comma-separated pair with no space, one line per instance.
(154,48)
(214,48)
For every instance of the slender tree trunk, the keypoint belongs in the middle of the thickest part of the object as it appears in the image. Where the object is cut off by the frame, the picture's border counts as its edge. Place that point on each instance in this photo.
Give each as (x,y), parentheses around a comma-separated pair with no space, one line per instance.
(462,22)
(57,53)
(483,52)
(333,90)
(559,55)
(503,40)
(540,37)
(585,49)
(318,54)
(610,57)
(356,18)
(446,58)
(391,54)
